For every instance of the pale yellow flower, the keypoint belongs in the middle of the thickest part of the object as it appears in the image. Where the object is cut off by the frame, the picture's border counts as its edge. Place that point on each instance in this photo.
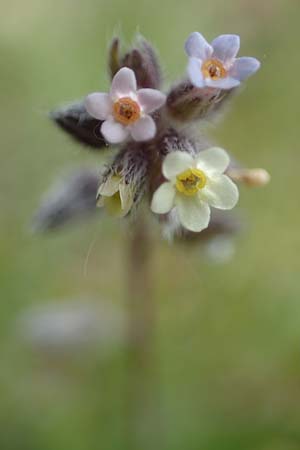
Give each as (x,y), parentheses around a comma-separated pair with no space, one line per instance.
(115,195)
(195,184)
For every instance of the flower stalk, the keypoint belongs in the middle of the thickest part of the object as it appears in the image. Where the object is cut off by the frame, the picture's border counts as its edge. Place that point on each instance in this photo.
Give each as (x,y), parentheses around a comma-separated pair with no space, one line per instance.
(142,402)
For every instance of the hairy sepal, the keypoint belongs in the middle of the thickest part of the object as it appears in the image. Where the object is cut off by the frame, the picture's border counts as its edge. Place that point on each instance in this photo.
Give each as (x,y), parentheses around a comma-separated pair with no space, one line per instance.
(186,103)
(79,125)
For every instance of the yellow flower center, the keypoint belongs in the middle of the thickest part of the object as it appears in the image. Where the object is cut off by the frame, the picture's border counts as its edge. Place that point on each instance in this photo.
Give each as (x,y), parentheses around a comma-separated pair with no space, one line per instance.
(214,69)
(190,181)
(126,111)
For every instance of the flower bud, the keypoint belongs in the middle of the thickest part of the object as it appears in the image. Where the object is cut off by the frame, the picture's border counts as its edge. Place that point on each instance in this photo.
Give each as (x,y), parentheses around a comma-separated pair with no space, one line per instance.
(250,177)
(79,125)
(186,102)
(143,61)
(114,57)
(69,200)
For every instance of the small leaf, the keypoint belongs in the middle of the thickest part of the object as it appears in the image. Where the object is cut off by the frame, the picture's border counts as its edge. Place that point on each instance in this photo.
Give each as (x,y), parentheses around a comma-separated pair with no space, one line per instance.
(75,121)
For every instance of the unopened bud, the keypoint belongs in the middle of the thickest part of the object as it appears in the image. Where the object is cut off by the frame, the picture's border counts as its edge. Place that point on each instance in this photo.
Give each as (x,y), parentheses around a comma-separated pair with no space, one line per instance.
(144,62)
(79,125)
(187,103)
(69,199)
(250,177)
(114,57)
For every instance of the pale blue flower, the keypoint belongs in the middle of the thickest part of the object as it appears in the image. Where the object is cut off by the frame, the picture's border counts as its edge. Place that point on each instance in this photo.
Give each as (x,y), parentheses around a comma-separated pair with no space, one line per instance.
(215,65)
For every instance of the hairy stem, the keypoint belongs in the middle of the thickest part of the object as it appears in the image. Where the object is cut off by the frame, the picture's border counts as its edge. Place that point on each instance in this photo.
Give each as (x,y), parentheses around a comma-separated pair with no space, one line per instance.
(141,402)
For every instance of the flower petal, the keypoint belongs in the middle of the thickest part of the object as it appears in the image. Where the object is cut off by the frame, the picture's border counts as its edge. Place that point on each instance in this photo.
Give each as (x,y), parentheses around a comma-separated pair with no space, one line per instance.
(197,46)
(150,99)
(244,67)
(126,196)
(98,105)
(226,47)
(114,132)
(193,213)
(222,83)
(220,192)
(163,198)
(123,83)
(195,72)
(175,163)
(214,160)
(113,205)
(144,129)
(110,186)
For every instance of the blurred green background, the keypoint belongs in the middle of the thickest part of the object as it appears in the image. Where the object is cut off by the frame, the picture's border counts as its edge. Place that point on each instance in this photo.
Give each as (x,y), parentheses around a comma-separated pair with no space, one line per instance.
(228,335)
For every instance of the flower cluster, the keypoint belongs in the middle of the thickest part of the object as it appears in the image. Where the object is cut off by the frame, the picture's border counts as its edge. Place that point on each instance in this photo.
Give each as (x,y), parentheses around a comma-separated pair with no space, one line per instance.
(159,159)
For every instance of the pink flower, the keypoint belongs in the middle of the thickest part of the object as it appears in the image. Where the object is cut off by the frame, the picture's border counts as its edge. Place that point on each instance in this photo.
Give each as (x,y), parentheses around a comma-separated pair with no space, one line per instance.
(215,65)
(125,110)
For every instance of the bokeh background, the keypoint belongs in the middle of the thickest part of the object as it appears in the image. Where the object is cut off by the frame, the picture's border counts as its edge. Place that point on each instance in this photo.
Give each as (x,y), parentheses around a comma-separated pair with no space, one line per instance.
(228,334)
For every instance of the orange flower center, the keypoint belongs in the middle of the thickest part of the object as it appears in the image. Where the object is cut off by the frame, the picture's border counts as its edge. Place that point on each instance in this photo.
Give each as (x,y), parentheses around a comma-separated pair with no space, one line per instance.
(214,69)
(126,111)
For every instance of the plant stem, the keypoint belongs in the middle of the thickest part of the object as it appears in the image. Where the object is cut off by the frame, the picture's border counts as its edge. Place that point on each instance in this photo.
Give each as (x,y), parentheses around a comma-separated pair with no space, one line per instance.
(141,326)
